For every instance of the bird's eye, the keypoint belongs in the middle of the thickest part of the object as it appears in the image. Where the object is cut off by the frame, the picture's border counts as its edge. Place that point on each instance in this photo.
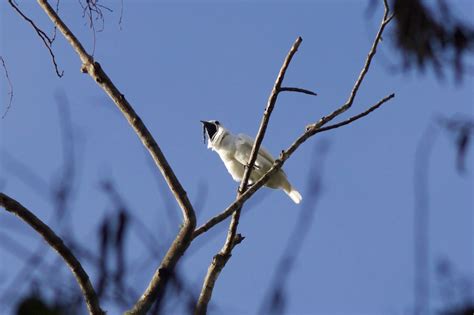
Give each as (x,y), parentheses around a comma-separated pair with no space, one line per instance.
(217,122)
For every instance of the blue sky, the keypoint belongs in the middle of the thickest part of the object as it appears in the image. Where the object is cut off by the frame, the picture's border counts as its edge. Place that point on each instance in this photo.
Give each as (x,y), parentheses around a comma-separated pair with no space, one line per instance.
(178,63)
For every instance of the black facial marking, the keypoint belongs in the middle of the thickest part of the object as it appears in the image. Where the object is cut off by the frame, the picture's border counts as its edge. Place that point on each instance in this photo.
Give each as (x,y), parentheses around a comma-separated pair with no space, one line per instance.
(211,128)
(204,134)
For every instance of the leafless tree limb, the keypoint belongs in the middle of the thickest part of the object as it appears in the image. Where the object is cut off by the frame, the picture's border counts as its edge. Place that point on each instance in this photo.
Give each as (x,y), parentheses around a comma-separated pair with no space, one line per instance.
(121,14)
(358,116)
(221,258)
(57,243)
(10,87)
(310,131)
(93,10)
(94,69)
(47,41)
(224,254)
(156,286)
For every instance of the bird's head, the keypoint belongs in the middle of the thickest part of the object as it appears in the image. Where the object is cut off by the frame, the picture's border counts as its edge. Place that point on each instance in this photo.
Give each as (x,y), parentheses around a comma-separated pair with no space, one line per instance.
(214,131)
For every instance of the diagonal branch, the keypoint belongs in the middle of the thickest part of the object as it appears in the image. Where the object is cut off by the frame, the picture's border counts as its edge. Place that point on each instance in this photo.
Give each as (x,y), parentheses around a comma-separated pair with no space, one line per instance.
(277,165)
(378,37)
(155,289)
(220,259)
(266,115)
(358,116)
(10,88)
(311,130)
(94,69)
(58,245)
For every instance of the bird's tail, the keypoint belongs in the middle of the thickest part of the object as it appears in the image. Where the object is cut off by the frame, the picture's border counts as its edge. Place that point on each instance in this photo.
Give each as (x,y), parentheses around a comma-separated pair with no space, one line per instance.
(294,195)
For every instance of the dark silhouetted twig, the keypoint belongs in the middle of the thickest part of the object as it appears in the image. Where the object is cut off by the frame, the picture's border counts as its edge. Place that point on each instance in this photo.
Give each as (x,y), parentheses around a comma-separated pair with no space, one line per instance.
(298,90)
(47,41)
(121,14)
(10,87)
(463,130)
(93,10)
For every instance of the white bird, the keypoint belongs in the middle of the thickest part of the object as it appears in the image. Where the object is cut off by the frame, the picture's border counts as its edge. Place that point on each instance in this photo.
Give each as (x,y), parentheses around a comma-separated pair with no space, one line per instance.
(234,150)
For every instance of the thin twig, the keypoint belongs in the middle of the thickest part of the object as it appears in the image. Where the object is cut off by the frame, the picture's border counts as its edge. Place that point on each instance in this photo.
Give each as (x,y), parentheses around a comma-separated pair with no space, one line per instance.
(310,131)
(358,116)
(220,259)
(10,87)
(58,245)
(121,14)
(298,90)
(156,287)
(47,41)
(385,20)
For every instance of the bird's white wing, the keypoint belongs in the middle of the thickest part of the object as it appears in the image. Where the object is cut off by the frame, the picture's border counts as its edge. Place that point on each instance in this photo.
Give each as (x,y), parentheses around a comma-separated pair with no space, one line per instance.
(244,146)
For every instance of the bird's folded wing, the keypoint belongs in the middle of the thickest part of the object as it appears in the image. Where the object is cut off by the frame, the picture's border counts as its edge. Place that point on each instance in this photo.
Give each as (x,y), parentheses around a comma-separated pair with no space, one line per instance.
(244,146)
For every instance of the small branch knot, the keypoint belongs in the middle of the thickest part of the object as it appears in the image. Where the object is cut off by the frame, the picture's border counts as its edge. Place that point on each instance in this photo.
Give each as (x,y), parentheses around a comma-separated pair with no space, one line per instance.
(237,239)
(84,68)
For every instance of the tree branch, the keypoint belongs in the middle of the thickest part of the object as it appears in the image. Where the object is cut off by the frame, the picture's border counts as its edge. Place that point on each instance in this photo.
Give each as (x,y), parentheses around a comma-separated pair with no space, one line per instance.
(10,87)
(277,165)
(298,90)
(220,259)
(385,20)
(358,116)
(58,245)
(156,286)
(47,41)
(311,130)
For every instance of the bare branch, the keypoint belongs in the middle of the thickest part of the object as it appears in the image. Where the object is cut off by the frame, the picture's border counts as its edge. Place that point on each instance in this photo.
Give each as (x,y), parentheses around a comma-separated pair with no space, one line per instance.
(47,41)
(299,90)
(94,69)
(266,115)
(10,87)
(385,20)
(310,131)
(121,14)
(57,243)
(155,289)
(358,116)
(220,260)
(93,10)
